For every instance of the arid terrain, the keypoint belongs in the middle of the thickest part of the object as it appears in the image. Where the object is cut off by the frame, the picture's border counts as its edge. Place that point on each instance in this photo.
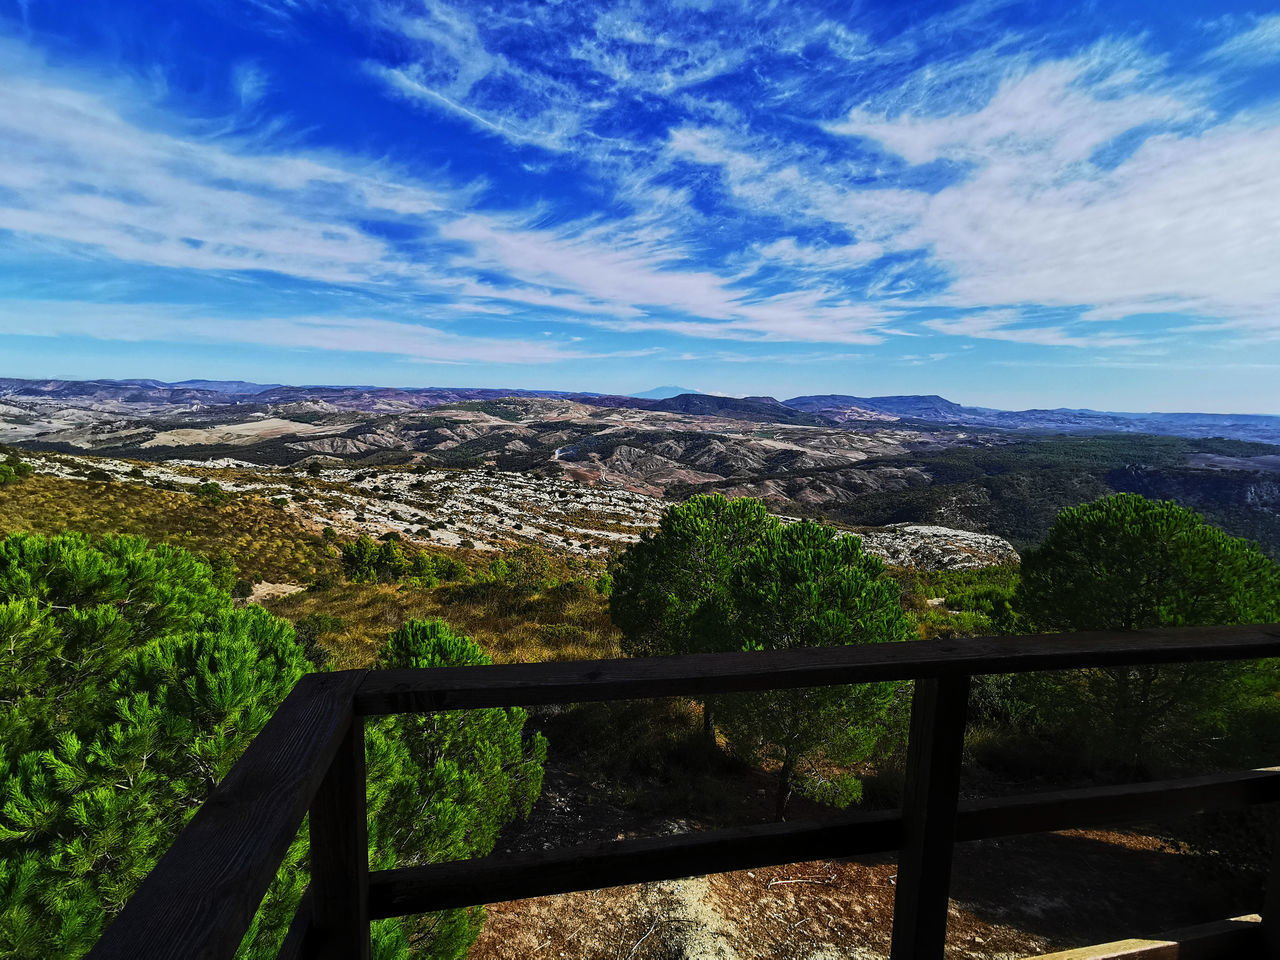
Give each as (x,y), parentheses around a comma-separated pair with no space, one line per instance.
(486,509)
(586,470)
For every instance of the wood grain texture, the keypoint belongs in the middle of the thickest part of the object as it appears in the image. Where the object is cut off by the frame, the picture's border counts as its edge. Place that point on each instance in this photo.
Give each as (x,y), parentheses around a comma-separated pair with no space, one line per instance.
(200,898)
(340,855)
(1271,906)
(697,675)
(930,800)
(1240,937)
(299,942)
(494,879)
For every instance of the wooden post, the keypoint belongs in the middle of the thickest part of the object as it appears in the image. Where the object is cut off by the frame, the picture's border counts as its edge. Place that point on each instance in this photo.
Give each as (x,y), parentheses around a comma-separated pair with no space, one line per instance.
(1271,907)
(340,856)
(938,712)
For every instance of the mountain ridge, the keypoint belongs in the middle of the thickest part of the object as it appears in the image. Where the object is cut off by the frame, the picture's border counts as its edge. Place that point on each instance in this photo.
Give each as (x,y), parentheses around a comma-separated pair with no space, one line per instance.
(845,410)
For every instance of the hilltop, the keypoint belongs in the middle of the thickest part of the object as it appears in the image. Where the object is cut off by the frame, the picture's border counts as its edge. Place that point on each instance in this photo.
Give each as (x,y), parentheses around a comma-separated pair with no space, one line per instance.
(860,460)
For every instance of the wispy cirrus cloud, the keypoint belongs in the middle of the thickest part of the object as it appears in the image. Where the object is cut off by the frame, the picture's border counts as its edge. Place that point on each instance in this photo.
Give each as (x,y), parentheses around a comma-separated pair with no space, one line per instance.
(1011,327)
(1258,44)
(347,334)
(640,175)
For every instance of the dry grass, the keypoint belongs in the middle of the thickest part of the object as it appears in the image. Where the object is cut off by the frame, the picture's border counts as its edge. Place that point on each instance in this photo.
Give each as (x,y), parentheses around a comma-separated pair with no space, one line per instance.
(566,623)
(266,542)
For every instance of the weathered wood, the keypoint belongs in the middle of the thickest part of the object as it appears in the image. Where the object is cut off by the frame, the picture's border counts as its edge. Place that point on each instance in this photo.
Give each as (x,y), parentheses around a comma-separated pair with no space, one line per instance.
(463,883)
(931,798)
(494,879)
(200,898)
(1271,906)
(340,855)
(1097,806)
(697,675)
(298,941)
(1219,940)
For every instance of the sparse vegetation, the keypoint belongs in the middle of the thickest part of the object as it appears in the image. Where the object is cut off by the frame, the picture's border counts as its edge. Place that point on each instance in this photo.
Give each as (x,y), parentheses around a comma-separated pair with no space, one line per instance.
(264,543)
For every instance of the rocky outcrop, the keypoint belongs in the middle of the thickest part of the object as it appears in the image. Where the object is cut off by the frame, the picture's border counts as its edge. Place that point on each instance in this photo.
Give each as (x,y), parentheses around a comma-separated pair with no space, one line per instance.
(937,548)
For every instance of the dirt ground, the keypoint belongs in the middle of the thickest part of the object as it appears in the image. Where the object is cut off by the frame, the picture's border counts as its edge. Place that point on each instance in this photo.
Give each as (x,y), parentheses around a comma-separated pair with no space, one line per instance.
(1013,897)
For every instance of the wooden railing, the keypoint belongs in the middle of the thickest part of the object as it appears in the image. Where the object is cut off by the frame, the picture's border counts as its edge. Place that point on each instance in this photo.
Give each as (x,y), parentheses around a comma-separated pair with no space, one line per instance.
(202,895)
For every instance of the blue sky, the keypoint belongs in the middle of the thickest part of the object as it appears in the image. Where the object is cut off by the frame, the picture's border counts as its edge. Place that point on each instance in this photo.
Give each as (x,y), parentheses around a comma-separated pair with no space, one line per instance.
(1011,204)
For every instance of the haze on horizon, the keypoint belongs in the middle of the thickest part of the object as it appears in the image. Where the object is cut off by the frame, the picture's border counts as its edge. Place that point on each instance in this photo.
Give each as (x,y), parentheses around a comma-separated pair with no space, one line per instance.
(1010,205)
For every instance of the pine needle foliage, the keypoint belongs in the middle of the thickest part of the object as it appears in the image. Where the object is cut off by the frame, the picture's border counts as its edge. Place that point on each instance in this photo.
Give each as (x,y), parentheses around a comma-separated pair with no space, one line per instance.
(672,591)
(1128,563)
(720,575)
(129,685)
(444,785)
(804,585)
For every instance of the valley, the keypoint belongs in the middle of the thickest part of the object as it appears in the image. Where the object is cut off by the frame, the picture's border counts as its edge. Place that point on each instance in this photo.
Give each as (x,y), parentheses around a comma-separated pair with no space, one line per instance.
(584,471)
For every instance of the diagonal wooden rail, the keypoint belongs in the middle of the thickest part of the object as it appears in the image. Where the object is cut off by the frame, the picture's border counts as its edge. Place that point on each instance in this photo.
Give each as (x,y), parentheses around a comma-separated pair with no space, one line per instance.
(200,898)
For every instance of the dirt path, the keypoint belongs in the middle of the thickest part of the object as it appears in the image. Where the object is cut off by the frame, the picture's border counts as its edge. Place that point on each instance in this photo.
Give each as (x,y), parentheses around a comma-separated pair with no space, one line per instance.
(1014,898)
(266,591)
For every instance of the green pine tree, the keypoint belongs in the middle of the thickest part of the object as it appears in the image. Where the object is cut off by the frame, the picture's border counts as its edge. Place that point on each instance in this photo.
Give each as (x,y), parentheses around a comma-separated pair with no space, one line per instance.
(129,685)
(671,592)
(803,585)
(1127,563)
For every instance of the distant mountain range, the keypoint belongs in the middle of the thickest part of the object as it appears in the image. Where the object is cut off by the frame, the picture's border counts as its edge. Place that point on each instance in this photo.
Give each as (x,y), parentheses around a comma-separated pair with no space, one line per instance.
(935,409)
(662,393)
(819,410)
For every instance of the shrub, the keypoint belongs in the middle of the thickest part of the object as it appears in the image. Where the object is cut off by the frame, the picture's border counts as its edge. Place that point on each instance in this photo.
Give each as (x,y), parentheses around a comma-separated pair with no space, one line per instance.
(224,571)
(13,470)
(526,569)
(310,629)
(211,493)
(471,772)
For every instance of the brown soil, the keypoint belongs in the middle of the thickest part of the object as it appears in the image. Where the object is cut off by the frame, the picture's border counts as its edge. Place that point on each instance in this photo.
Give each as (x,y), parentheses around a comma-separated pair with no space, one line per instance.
(1013,897)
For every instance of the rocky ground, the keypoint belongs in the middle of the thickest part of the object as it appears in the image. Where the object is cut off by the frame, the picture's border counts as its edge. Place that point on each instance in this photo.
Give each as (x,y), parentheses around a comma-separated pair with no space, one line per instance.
(489,509)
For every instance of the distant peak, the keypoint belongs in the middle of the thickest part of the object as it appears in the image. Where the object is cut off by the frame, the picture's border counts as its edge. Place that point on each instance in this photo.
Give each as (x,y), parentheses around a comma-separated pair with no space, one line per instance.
(665,393)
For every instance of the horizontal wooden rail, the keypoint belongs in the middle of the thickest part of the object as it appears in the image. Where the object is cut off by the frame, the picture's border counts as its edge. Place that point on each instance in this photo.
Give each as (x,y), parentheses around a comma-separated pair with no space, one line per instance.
(1220,940)
(696,675)
(496,879)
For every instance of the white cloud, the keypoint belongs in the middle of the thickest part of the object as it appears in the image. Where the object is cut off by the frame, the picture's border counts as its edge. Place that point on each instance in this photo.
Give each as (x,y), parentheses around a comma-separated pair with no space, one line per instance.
(1257,45)
(1000,325)
(75,171)
(1095,182)
(827,257)
(176,323)
(630,278)
(1189,220)
(1042,119)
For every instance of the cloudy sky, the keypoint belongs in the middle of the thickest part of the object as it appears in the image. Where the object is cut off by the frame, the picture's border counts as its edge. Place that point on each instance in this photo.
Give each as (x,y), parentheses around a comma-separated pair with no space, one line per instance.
(1011,204)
